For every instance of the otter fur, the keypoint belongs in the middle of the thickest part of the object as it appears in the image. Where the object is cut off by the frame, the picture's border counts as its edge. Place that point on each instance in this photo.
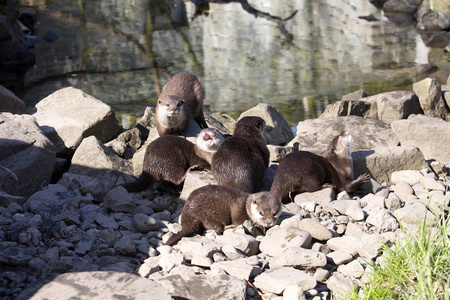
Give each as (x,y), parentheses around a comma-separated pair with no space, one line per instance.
(170,158)
(181,100)
(242,160)
(215,207)
(304,171)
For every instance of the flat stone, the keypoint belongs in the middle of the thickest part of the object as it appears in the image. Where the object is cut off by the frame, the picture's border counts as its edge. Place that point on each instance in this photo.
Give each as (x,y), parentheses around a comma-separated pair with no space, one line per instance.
(243,242)
(321,197)
(278,239)
(98,285)
(339,257)
(277,280)
(198,245)
(237,268)
(353,269)
(345,243)
(340,286)
(299,258)
(317,230)
(382,220)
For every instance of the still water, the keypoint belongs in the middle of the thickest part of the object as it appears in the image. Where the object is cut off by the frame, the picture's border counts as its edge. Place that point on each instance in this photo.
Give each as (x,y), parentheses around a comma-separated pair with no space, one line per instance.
(297,55)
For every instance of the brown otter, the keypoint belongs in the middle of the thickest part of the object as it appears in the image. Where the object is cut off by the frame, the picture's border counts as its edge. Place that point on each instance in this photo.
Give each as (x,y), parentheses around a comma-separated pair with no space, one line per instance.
(215,207)
(181,100)
(242,160)
(304,171)
(170,158)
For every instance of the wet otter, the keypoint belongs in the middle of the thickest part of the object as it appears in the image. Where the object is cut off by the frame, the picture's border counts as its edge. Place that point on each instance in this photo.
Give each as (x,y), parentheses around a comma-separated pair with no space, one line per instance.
(304,171)
(170,158)
(215,207)
(242,160)
(181,100)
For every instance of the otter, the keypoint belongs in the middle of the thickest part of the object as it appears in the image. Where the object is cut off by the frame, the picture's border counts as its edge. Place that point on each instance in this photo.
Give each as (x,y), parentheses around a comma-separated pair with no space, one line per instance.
(304,171)
(170,158)
(181,100)
(242,160)
(215,207)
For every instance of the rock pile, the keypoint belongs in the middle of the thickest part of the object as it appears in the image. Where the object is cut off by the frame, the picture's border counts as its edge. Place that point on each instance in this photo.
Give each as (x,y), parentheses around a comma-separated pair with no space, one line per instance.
(82,235)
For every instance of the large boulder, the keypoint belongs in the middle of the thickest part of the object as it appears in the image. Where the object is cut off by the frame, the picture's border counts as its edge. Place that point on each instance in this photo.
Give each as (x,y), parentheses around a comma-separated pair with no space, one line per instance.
(277,130)
(69,115)
(27,156)
(381,162)
(98,284)
(94,159)
(316,134)
(430,97)
(10,102)
(387,107)
(430,135)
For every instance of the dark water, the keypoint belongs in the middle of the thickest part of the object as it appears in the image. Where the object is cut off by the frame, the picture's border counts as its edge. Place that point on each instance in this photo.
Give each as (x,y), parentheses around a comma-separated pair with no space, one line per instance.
(297,55)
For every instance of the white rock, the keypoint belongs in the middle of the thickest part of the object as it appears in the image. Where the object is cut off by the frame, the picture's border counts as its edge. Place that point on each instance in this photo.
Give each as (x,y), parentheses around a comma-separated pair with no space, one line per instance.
(278,239)
(277,280)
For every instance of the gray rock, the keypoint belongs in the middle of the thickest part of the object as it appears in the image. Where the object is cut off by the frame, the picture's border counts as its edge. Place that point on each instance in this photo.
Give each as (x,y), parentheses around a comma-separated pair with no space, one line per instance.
(119,200)
(392,202)
(161,203)
(194,180)
(198,245)
(397,105)
(99,285)
(169,261)
(410,177)
(299,258)
(321,275)
(352,106)
(237,268)
(15,256)
(414,214)
(201,261)
(55,203)
(317,230)
(106,222)
(316,134)
(277,130)
(293,292)
(370,245)
(277,280)
(150,266)
(278,239)
(343,205)
(126,246)
(85,244)
(382,161)
(232,253)
(92,158)
(10,102)
(382,220)
(7,199)
(321,197)
(204,287)
(340,286)
(144,223)
(69,115)
(429,93)
(27,156)
(243,242)
(345,243)
(353,269)
(433,146)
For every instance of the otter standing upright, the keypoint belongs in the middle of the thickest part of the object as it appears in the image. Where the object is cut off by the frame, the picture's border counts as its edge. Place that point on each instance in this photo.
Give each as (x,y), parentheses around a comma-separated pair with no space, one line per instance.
(181,100)
(304,171)
(242,160)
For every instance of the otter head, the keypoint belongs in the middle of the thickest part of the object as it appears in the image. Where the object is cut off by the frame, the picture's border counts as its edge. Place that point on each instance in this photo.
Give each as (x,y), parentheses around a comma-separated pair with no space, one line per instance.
(264,208)
(209,139)
(246,126)
(341,145)
(170,105)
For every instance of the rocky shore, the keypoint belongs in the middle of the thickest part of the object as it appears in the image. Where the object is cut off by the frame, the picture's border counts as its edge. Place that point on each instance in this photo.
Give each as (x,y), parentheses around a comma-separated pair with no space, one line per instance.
(69,229)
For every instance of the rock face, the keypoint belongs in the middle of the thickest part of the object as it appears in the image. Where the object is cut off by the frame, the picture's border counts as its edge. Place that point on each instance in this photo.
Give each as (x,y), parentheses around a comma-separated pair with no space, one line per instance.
(69,115)
(431,136)
(27,156)
(430,97)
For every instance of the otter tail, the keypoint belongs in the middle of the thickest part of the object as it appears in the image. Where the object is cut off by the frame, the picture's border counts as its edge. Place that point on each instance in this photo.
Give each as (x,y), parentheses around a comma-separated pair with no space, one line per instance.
(175,238)
(143,182)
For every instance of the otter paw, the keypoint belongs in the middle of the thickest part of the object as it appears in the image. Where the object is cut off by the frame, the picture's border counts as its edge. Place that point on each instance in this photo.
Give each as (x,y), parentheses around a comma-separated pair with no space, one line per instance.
(364,177)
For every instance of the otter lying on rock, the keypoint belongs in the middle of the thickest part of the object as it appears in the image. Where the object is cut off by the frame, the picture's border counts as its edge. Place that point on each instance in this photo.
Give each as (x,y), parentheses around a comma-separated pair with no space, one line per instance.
(304,171)
(170,158)
(215,207)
